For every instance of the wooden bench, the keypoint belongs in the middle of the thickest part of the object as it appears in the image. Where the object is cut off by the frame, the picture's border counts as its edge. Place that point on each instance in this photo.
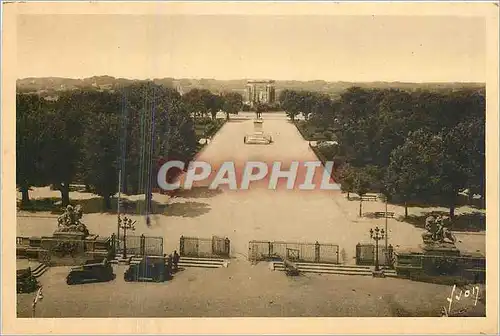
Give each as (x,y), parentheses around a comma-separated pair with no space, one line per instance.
(381,214)
(369,198)
(291,269)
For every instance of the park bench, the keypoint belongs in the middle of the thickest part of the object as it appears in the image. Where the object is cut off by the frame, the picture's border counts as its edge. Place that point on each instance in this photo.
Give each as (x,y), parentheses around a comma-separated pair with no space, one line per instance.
(381,214)
(291,269)
(369,198)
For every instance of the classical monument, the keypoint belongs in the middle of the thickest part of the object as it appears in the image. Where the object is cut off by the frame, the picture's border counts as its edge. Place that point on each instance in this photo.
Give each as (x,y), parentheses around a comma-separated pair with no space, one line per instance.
(71,243)
(258,137)
(70,222)
(260,92)
(438,255)
(437,233)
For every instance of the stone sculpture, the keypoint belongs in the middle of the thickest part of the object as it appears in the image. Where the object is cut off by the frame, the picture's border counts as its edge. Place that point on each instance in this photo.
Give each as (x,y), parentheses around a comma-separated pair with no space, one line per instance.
(437,231)
(70,220)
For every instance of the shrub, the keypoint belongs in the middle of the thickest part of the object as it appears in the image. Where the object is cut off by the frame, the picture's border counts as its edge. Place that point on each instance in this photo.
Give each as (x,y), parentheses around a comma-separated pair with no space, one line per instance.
(328,135)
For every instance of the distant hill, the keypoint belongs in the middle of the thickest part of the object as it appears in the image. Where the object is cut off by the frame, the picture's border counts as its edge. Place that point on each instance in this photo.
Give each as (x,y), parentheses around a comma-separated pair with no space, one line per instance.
(48,86)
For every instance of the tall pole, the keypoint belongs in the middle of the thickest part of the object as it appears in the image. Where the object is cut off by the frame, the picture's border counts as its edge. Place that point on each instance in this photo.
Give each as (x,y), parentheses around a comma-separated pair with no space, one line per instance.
(119,203)
(123,147)
(151,180)
(38,297)
(376,235)
(386,232)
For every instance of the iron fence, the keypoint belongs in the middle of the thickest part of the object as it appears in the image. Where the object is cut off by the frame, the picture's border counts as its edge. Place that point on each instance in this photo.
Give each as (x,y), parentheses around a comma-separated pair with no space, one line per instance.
(259,250)
(139,245)
(365,255)
(204,247)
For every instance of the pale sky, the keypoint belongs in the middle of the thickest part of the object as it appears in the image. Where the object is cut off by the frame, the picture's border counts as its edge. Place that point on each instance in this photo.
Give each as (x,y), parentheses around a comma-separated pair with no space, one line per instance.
(332,48)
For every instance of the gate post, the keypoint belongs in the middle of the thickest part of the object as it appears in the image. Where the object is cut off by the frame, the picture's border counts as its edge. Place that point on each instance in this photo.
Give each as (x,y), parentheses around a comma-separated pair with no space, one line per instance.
(181,246)
(358,252)
(316,252)
(143,245)
(390,254)
(271,249)
(227,246)
(113,244)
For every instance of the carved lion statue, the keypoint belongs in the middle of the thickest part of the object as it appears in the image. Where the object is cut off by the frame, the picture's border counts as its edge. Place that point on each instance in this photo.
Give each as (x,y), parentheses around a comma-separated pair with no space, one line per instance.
(437,230)
(69,221)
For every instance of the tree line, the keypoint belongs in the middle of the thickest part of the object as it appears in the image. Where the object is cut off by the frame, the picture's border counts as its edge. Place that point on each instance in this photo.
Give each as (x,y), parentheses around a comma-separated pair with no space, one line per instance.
(409,146)
(87,136)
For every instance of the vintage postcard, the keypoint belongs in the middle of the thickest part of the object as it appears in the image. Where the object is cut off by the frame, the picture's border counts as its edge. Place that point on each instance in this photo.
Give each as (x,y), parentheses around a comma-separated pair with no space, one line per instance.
(249,167)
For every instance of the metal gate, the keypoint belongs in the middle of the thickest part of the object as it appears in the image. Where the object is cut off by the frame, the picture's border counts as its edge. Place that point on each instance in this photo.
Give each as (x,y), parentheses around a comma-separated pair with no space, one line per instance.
(307,252)
(141,246)
(365,255)
(190,247)
(153,246)
(204,247)
(219,246)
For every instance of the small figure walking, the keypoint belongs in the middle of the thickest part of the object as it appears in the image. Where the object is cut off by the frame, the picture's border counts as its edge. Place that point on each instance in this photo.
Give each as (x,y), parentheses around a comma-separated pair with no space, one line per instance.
(176,261)
(169,264)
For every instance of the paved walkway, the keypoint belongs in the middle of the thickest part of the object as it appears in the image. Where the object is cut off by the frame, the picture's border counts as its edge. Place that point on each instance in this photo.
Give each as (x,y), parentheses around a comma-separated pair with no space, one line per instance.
(241,291)
(258,213)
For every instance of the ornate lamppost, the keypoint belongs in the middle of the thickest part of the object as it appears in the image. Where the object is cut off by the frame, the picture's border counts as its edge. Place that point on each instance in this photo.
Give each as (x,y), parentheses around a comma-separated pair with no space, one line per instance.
(386,198)
(126,224)
(377,235)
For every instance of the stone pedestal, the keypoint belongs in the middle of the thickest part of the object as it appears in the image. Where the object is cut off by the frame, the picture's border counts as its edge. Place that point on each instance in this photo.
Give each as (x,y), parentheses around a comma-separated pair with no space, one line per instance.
(258,136)
(257,125)
(69,235)
(440,249)
(71,244)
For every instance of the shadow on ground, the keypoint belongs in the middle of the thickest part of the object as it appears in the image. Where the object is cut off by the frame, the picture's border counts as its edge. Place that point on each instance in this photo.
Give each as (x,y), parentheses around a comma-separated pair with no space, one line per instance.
(94,205)
(470,222)
(197,192)
(377,214)
(187,209)
(438,202)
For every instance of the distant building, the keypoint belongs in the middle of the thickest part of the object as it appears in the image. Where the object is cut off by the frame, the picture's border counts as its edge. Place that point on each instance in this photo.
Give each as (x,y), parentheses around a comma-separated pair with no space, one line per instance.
(260,92)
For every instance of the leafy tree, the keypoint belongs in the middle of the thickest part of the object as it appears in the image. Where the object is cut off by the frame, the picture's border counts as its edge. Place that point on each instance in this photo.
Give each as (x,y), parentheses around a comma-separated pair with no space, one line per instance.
(452,167)
(173,136)
(216,104)
(199,101)
(233,103)
(260,108)
(31,135)
(322,111)
(410,170)
(429,143)
(62,153)
(290,102)
(359,180)
(101,151)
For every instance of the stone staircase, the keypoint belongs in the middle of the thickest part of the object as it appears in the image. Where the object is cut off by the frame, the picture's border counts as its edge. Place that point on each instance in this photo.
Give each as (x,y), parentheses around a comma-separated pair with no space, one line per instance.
(332,269)
(257,138)
(184,262)
(203,262)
